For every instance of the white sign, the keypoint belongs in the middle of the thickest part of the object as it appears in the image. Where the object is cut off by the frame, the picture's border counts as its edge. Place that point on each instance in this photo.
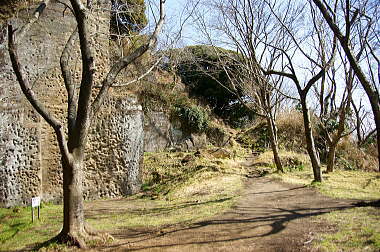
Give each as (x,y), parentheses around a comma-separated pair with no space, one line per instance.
(36,201)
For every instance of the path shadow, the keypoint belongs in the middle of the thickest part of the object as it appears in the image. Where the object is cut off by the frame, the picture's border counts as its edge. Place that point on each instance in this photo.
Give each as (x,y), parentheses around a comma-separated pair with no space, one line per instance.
(277,221)
(101,213)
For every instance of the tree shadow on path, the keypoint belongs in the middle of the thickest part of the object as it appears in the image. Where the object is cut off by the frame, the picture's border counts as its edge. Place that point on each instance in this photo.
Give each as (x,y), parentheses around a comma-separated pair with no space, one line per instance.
(270,215)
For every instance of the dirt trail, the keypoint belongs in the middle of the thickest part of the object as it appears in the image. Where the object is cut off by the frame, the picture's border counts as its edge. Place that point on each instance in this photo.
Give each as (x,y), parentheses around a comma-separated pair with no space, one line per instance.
(270,216)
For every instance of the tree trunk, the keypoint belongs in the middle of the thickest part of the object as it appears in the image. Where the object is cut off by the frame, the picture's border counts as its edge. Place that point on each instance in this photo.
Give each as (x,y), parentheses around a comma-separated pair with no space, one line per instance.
(331,158)
(310,142)
(377,121)
(274,143)
(74,231)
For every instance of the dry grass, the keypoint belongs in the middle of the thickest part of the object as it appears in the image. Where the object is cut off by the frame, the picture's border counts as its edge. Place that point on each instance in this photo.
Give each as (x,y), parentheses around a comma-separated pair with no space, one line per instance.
(186,176)
(339,184)
(175,192)
(351,157)
(345,184)
(291,130)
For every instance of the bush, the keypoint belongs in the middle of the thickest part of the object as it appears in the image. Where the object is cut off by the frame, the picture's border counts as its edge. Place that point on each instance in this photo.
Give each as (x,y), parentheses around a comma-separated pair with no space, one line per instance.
(292,164)
(194,118)
(200,70)
(256,137)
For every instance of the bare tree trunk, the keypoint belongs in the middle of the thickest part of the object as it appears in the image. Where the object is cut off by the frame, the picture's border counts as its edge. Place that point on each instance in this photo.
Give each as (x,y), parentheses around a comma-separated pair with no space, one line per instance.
(73,230)
(274,143)
(310,142)
(82,108)
(331,158)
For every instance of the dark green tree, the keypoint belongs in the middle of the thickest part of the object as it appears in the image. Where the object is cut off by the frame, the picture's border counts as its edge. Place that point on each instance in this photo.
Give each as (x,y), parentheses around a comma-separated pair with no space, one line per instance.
(200,70)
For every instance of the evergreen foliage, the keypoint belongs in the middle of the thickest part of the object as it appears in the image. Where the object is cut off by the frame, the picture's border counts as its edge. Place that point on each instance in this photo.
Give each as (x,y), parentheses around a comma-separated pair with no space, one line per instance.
(200,71)
(194,118)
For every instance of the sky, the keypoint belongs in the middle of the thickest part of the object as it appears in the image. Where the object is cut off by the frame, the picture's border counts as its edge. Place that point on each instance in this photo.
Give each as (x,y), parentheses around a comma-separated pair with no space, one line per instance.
(176,12)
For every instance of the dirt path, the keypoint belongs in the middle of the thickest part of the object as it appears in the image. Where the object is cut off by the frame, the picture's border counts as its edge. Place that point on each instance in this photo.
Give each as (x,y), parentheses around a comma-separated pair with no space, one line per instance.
(270,216)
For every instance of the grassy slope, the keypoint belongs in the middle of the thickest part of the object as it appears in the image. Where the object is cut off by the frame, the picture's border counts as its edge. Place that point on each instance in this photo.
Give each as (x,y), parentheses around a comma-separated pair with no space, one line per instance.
(174,193)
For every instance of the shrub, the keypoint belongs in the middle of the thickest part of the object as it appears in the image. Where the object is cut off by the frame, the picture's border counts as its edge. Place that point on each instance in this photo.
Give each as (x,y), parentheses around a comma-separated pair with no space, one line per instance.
(200,70)
(350,157)
(257,137)
(194,117)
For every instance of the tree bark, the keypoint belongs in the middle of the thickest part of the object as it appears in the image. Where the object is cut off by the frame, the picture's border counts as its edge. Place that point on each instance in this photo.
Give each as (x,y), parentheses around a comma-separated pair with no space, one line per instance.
(274,144)
(331,158)
(310,141)
(80,111)
(73,230)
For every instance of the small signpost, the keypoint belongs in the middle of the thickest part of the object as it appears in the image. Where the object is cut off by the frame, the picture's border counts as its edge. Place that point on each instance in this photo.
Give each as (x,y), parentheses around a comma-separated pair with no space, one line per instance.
(36,202)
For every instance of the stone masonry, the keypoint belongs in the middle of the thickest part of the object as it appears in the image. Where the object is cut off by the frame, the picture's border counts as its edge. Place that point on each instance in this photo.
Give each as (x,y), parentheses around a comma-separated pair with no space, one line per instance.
(29,156)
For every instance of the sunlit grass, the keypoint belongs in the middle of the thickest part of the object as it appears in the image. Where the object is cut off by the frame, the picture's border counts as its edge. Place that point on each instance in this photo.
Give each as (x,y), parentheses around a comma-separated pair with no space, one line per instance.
(175,193)
(161,213)
(339,184)
(18,231)
(342,184)
(356,229)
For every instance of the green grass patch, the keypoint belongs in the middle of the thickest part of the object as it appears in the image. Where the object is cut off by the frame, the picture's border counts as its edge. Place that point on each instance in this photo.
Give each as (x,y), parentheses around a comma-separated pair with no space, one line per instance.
(355,229)
(17,230)
(339,184)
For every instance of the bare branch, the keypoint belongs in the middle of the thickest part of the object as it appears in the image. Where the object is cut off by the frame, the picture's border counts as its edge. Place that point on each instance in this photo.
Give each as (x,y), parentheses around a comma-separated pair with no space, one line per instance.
(36,15)
(72,96)
(31,96)
(141,76)
(125,61)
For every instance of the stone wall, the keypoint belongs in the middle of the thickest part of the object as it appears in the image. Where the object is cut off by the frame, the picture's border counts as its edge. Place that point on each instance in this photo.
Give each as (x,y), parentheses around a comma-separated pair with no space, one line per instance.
(165,133)
(29,156)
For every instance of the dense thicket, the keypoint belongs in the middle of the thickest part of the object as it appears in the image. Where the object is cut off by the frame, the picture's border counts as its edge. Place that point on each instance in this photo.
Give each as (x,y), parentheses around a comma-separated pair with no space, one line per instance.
(200,70)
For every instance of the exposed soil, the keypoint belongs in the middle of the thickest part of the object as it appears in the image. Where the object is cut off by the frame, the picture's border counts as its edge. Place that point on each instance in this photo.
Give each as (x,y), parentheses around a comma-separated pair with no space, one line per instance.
(269,216)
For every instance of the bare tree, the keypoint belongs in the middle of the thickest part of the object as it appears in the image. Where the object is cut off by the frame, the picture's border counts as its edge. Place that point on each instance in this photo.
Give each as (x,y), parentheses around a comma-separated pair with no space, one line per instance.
(360,38)
(249,29)
(310,45)
(333,117)
(364,130)
(82,107)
